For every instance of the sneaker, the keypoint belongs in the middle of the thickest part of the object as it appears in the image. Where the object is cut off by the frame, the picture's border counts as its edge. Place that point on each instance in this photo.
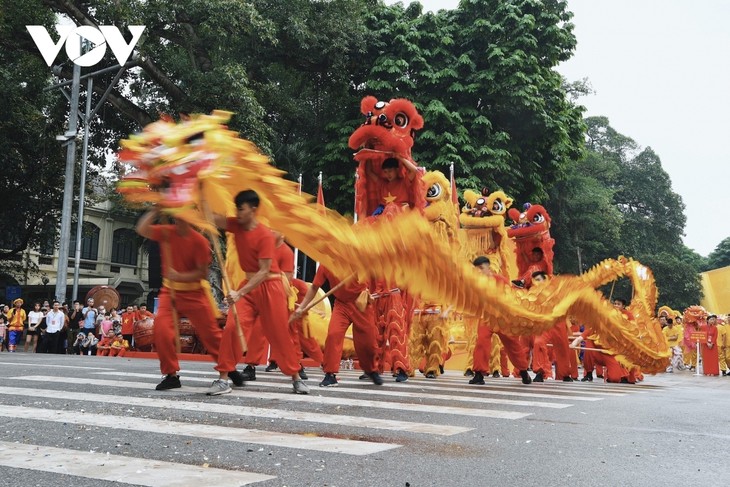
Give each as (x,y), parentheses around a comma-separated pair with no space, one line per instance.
(477,379)
(329,381)
(401,376)
(567,378)
(364,377)
(272,366)
(302,374)
(249,373)
(468,373)
(496,375)
(525,377)
(219,387)
(441,369)
(300,387)
(237,378)
(588,377)
(431,375)
(375,377)
(169,382)
(539,377)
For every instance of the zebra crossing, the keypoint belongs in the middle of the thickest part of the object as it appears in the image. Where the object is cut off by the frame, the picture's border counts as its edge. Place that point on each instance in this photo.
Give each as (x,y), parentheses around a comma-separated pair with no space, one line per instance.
(114,398)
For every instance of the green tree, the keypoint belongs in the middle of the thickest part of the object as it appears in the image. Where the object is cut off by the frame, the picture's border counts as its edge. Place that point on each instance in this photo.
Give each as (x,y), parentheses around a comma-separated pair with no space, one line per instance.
(31,160)
(720,257)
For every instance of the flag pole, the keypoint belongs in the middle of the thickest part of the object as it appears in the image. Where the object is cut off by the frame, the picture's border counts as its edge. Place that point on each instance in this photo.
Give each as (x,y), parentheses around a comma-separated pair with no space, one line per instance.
(357,178)
(319,192)
(296,250)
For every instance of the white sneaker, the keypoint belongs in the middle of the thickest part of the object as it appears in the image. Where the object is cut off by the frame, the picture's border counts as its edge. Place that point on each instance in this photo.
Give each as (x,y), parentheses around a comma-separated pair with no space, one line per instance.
(300,387)
(219,387)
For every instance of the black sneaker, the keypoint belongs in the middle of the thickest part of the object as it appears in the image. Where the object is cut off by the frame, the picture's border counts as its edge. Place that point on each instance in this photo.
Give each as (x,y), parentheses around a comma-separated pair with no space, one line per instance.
(525,377)
(468,373)
(441,369)
(539,377)
(477,379)
(364,377)
(375,377)
(249,373)
(599,376)
(169,382)
(431,375)
(237,378)
(496,375)
(329,381)
(567,378)
(588,377)
(401,376)
(302,374)
(272,366)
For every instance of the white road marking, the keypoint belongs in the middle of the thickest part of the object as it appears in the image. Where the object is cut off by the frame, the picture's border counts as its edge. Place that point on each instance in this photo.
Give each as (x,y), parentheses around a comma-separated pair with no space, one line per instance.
(310,398)
(377,391)
(118,468)
(209,431)
(211,407)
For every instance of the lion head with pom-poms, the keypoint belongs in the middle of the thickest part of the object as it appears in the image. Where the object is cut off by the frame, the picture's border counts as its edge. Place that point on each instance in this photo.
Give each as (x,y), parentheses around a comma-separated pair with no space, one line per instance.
(387,132)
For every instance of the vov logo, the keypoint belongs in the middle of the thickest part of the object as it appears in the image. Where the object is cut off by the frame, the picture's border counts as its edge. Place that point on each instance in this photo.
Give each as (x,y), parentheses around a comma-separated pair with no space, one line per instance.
(100,38)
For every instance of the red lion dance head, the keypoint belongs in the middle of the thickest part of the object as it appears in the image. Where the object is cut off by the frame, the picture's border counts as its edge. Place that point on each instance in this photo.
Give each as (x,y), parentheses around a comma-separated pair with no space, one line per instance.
(388,131)
(530,230)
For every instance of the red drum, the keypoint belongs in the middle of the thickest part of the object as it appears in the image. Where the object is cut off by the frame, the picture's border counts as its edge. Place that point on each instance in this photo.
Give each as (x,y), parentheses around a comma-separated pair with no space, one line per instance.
(104,296)
(188,343)
(185,327)
(144,335)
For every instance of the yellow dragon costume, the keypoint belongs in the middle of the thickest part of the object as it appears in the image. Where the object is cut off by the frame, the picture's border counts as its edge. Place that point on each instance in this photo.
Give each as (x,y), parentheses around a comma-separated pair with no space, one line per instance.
(404,249)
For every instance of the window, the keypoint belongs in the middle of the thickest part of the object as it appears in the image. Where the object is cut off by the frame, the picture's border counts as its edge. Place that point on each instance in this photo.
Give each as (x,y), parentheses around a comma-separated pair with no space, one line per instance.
(125,247)
(89,242)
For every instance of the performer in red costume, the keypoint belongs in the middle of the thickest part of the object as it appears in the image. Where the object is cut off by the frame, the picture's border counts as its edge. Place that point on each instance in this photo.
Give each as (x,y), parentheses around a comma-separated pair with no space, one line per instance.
(614,372)
(260,295)
(710,354)
(515,351)
(184,271)
(344,312)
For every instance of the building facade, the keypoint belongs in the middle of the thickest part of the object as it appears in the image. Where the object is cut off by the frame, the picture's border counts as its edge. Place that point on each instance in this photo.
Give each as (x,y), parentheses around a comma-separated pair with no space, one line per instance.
(112,254)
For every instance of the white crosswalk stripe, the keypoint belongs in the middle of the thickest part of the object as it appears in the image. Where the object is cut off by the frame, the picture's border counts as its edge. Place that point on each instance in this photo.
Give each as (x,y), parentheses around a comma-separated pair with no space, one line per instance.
(121,469)
(378,391)
(240,435)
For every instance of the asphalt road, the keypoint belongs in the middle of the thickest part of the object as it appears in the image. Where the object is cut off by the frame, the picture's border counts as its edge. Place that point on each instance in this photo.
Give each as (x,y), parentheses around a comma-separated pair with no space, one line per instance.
(97,421)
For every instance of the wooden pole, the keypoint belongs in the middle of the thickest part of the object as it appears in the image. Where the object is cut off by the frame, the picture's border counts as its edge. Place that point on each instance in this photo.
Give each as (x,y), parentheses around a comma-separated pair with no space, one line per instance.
(328,293)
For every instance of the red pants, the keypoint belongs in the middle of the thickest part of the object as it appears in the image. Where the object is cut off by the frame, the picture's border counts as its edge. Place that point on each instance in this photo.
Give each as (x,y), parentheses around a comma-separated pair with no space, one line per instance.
(103,352)
(513,348)
(364,333)
(614,372)
(266,302)
(117,352)
(308,346)
(195,306)
(258,345)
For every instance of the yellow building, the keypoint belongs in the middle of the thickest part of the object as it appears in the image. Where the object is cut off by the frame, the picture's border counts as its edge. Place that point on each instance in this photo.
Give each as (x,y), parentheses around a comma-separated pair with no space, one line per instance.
(716,287)
(112,254)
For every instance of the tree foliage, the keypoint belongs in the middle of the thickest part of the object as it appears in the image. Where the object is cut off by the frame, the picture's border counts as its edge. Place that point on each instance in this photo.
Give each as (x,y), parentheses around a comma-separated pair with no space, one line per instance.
(618,200)
(720,257)
(31,161)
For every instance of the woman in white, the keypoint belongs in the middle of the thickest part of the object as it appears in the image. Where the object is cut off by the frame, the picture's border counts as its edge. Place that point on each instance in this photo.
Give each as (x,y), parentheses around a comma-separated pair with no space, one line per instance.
(34,319)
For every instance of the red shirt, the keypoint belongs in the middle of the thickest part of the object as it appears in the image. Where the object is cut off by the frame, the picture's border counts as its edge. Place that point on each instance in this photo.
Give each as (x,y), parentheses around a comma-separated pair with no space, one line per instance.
(395,191)
(253,245)
(141,315)
(284,258)
(347,293)
(189,252)
(128,320)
